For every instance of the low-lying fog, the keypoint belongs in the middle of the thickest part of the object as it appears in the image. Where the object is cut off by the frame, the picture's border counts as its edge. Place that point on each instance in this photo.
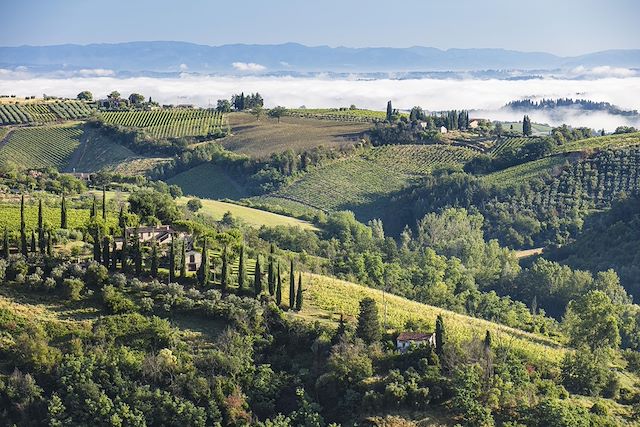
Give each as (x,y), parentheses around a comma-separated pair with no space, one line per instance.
(486,96)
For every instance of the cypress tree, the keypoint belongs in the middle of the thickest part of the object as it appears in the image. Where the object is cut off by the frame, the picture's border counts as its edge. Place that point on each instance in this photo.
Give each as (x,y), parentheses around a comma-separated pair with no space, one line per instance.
(104,204)
(33,241)
(137,255)
(92,212)
(299,293)
(487,341)
(122,222)
(154,260)
(183,261)
(41,238)
(292,287)
(340,331)
(97,252)
(23,229)
(203,271)
(440,335)
(124,254)
(5,246)
(279,287)
(526,126)
(172,260)
(63,213)
(271,276)
(114,254)
(389,111)
(224,278)
(49,244)
(106,253)
(368,323)
(241,272)
(257,279)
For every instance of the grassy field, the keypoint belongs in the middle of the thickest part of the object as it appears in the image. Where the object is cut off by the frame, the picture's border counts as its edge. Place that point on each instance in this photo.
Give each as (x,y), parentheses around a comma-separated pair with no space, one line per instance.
(536,128)
(96,152)
(367,179)
(261,138)
(41,147)
(170,123)
(251,216)
(326,298)
(525,172)
(208,181)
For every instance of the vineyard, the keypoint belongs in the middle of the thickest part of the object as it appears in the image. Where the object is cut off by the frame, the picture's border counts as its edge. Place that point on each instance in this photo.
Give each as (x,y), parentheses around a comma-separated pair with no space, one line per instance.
(208,181)
(365,180)
(523,173)
(503,144)
(170,123)
(344,115)
(44,112)
(600,142)
(76,218)
(40,147)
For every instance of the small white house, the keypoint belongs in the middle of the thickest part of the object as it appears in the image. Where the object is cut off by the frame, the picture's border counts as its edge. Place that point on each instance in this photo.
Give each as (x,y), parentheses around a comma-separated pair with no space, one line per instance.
(473,124)
(407,339)
(443,129)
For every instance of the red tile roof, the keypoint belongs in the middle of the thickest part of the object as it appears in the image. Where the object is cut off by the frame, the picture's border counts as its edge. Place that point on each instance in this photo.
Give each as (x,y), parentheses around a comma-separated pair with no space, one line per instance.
(414,336)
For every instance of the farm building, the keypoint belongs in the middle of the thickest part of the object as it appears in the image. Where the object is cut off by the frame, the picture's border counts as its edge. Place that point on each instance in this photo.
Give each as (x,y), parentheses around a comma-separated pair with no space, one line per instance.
(473,124)
(407,339)
(443,129)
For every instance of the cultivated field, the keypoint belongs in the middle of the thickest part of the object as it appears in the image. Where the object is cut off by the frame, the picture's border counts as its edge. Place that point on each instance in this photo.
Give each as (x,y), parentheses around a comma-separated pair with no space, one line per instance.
(44,112)
(600,142)
(253,217)
(261,138)
(76,218)
(41,147)
(345,115)
(170,123)
(208,181)
(525,172)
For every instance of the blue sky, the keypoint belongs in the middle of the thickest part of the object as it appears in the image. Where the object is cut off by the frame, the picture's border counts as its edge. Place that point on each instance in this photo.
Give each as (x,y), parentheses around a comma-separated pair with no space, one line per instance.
(565,27)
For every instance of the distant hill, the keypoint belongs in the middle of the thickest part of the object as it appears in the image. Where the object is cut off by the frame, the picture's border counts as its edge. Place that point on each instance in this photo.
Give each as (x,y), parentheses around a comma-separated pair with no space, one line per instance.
(170,56)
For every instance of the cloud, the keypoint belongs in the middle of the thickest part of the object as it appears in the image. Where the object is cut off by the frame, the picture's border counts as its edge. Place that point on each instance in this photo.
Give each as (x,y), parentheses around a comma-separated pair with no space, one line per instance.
(248,66)
(602,71)
(96,72)
(184,67)
(487,96)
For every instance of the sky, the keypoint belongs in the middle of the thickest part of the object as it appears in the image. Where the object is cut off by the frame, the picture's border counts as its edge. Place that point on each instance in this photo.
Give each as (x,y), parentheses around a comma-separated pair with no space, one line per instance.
(562,27)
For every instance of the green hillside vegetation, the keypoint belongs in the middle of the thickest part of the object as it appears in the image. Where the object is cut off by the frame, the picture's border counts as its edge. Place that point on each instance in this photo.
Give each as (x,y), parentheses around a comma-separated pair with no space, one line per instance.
(44,112)
(363,182)
(97,151)
(523,173)
(266,136)
(77,218)
(208,181)
(170,123)
(338,114)
(253,217)
(536,128)
(41,147)
(503,143)
(600,142)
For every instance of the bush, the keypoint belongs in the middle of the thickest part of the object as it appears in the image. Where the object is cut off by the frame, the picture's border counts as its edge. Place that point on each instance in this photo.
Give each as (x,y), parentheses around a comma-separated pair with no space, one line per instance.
(115,301)
(72,288)
(194,205)
(96,275)
(583,374)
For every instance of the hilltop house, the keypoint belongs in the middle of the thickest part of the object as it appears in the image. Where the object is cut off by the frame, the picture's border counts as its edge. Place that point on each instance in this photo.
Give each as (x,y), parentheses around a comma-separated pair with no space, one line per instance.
(443,129)
(407,339)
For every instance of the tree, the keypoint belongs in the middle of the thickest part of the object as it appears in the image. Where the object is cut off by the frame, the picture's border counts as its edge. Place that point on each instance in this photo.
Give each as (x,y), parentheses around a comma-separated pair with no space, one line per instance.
(204,270)
(23,231)
(33,241)
(292,287)
(63,213)
(497,129)
(223,106)
(277,112)
(368,328)
(440,335)
(389,111)
(106,254)
(5,245)
(136,99)
(92,212)
(137,255)
(183,261)
(194,205)
(172,260)
(299,293)
(42,244)
(526,126)
(225,270)
(241,270)
(592,321)
(104,204)
(122,220)
(279,287)
(114,95)
(49,244)
(271,273)
(85,95)
(257,278)
(97,250)
(257,111)
(154,259)
(124,253)
(114,254)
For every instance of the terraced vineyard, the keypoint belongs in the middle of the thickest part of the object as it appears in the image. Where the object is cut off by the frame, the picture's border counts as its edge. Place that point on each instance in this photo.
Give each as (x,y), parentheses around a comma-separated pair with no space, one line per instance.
(600,142)
(502,144)
(525,172)
(343,115)
(170,123)
(41,147)
(44,112)
(366,179)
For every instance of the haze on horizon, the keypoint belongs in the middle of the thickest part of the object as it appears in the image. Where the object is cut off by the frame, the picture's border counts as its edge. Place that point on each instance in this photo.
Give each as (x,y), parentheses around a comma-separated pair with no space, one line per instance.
(566,28)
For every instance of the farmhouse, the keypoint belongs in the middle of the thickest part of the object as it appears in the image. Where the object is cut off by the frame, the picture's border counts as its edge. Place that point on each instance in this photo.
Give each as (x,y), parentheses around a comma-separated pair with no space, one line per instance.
(443,129)
(473,124)
(407,339)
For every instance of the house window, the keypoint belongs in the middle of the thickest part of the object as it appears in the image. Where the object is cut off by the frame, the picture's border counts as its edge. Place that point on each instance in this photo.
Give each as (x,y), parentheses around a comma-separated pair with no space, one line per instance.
(192,258)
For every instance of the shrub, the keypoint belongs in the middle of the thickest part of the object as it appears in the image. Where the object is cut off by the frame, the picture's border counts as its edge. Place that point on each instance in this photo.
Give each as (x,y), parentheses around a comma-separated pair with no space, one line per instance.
(115,301)
(96,275)
(194,205)
(583,374)
(72,288)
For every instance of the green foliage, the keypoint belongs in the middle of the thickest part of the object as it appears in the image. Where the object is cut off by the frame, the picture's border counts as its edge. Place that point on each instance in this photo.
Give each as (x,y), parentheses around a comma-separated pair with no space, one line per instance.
(591,321)
(44,112)
(149,204)
(368,322)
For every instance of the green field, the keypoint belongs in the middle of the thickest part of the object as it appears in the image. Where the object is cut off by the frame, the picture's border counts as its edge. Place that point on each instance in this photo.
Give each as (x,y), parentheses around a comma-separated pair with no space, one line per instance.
(536,128)
(209,181)
(41,147)
(250,216)
(504,143)
(368,179)
(76,218)
(600,142)
(170,123)
(266,136)
(525,172)
(44,112)
(338,114)
(96,151)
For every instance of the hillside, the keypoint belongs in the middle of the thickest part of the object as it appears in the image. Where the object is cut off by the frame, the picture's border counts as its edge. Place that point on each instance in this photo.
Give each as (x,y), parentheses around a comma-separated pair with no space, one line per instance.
(261,138)
(208,181)
(41,112)
(364,182)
